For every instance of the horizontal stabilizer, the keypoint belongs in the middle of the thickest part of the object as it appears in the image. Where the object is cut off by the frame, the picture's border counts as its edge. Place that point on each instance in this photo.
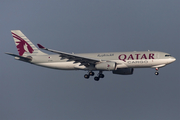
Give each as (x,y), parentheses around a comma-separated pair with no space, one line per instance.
(20,57)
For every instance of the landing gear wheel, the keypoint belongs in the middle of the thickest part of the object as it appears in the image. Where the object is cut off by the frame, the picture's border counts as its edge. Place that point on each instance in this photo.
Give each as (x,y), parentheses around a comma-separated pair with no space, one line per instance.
(86,76)
(91,73)
(156,73)
(96,78)
(101,75)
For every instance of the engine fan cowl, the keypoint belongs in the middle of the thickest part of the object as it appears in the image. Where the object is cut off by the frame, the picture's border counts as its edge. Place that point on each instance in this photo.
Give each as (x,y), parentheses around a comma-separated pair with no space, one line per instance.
(106,66)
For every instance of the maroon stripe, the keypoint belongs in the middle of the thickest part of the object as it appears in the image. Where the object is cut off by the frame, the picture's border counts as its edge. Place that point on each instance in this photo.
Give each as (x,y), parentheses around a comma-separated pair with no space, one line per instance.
(17,37)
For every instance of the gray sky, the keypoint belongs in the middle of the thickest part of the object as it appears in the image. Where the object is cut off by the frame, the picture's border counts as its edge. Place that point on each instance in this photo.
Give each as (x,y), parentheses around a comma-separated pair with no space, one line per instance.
(29,92)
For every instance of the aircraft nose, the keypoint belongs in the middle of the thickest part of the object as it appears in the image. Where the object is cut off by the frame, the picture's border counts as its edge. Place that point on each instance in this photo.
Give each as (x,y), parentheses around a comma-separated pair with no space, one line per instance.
(173,59)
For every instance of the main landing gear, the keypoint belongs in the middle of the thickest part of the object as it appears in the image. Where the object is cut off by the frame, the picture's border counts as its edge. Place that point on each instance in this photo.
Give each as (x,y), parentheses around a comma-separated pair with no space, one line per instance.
(157,73)
(96,78)
(100,75)
(89,74)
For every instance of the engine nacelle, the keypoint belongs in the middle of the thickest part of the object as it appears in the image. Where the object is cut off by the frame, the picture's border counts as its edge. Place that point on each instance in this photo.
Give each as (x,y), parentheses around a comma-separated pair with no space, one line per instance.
(123,71)
(106,66)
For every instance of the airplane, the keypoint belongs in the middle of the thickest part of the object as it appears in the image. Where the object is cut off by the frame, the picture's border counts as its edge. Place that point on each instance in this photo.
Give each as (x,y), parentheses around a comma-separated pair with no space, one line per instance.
(121,63)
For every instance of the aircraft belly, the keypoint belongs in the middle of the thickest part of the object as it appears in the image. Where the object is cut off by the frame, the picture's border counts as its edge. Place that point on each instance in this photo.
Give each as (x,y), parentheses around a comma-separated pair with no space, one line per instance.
(159,62)
(59,65)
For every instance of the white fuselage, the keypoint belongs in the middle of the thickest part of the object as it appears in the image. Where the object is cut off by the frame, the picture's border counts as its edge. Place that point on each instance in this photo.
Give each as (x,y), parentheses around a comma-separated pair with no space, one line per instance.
(146,59)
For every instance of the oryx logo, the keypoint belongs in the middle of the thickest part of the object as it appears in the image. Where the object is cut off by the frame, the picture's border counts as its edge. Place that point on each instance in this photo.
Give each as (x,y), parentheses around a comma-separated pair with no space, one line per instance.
(22,46)
(108,65)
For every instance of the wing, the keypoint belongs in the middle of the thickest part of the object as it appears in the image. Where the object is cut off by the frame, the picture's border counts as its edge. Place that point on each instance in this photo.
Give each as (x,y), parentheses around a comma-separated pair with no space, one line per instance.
(72,57)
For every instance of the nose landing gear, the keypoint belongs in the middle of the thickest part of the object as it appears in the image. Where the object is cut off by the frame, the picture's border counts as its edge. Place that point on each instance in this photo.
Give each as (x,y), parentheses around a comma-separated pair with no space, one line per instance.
(157,73)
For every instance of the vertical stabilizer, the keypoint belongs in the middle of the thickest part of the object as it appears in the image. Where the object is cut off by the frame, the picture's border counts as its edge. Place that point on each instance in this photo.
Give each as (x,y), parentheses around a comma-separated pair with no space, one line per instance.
(24,46)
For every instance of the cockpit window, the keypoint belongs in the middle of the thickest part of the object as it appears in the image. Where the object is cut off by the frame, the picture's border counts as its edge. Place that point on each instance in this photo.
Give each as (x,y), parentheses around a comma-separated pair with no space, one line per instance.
(167,55)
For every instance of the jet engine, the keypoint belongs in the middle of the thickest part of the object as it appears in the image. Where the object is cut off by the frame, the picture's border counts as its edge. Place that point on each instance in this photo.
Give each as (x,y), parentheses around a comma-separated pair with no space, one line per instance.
(123,71)
(106,66)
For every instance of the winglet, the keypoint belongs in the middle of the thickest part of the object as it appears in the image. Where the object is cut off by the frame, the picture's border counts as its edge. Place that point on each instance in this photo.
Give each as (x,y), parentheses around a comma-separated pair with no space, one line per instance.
(40,46)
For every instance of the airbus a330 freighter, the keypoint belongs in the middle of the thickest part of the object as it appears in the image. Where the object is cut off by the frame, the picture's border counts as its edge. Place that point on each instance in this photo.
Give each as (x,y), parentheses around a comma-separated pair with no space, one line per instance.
(122,63)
